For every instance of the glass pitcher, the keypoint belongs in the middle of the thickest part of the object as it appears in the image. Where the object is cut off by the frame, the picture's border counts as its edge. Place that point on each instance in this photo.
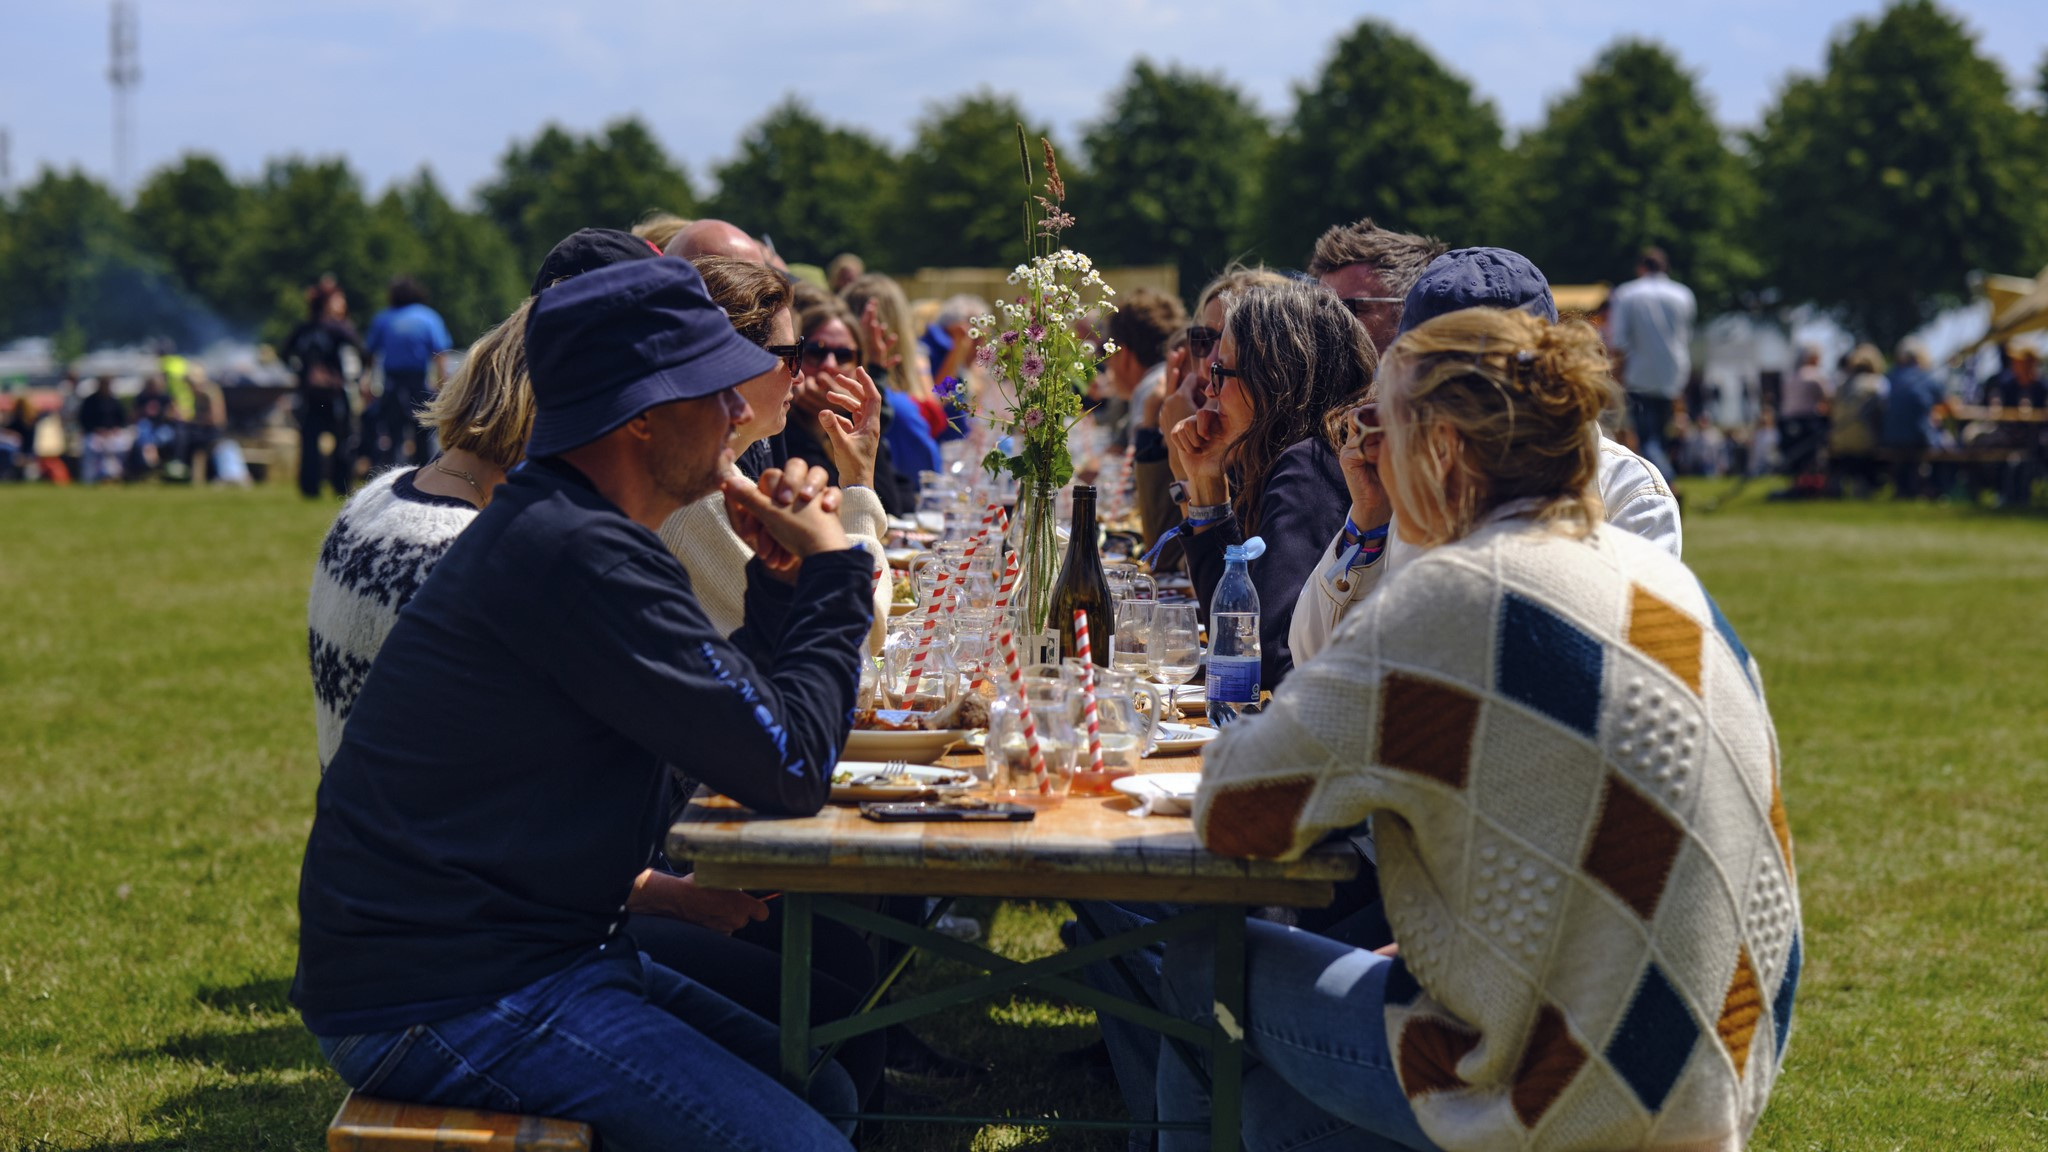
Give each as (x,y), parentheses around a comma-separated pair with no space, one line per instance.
(1128,712)
(1009,755)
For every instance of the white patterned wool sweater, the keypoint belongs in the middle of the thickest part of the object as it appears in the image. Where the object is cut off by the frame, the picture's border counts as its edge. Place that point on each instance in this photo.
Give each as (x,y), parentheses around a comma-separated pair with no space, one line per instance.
(387,538)
(1582,844)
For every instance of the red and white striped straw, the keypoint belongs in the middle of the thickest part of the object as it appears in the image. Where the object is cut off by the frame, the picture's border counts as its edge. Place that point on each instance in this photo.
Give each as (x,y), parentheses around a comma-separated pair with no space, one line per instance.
(1016,677)
(1009,582)
(1088,712)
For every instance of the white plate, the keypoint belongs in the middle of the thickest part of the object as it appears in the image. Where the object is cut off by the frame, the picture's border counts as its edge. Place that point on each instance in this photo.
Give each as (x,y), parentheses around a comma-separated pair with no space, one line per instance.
(1170,793)
(1181,739)
(916,747)
(913,781)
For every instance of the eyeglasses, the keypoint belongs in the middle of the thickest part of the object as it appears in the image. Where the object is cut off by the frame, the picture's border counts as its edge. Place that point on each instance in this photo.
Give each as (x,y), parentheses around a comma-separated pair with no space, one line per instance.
(791,354)
(1218,372)
(1360,305)
(816,353)
(1202,341)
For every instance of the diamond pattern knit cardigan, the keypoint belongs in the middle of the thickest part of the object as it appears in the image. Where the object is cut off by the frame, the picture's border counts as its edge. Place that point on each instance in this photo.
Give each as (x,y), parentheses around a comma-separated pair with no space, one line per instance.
(1582,843)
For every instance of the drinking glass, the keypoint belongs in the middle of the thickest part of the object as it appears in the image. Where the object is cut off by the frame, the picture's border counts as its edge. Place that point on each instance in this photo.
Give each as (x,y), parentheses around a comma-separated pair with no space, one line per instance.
(1176,648)
(1127,713)
(1131,648)
(1009,748)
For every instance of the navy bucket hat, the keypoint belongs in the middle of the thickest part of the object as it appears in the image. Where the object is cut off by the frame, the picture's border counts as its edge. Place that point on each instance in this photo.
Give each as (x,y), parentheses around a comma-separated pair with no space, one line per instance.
(612,343)
(1477,278)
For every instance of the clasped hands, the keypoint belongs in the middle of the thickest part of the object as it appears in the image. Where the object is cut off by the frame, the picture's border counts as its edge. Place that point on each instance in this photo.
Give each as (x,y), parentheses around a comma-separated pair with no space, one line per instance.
(790,514)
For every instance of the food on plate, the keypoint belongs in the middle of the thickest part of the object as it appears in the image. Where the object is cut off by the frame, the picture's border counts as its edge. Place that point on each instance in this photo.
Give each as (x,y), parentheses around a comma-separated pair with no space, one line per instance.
(969,711)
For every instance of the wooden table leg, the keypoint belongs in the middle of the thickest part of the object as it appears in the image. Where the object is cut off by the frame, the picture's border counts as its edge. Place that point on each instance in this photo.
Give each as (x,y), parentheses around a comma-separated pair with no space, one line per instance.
(796,990)
(1226,1107)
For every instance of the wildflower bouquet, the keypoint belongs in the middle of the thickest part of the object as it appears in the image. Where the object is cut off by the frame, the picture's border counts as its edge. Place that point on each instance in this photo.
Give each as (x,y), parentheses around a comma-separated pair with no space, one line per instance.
(1041,368)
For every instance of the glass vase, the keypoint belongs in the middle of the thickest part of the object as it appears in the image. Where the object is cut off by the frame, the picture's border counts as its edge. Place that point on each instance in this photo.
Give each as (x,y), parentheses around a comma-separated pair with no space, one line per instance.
(1035,535)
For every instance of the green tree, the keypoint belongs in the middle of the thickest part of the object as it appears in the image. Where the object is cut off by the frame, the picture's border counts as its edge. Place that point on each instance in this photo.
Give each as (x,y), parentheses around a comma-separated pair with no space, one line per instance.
(462,259)
(1387,132)
(306,219)
(1631,158)
(817,189)
(190,214)
(1173,172)
(1891,177)
(562,182)
(960,190)
(72,269)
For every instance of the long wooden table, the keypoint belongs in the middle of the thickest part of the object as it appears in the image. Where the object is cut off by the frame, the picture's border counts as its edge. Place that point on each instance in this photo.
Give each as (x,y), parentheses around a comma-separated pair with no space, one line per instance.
(1086,848)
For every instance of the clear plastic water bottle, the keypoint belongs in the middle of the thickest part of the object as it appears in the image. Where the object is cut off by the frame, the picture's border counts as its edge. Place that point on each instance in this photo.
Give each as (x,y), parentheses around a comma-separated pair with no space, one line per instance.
(1233,676)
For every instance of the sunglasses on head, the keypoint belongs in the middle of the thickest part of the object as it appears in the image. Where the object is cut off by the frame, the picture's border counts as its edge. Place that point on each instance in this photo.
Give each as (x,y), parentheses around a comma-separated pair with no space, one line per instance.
(816,353)
(791,355)
(1202,341)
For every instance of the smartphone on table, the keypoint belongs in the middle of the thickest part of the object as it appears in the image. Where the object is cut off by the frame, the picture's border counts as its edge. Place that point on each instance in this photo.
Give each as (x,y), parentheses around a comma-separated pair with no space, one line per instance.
(898,811)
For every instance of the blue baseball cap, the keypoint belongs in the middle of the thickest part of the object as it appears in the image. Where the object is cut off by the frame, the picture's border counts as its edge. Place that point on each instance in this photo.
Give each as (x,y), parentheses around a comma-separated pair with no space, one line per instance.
(1477,278)
(612,343)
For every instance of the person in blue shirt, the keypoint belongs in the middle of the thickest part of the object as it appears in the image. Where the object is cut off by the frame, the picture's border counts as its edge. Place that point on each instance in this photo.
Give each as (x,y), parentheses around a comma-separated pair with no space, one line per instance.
(488,831)
(411,342)
(1910,404)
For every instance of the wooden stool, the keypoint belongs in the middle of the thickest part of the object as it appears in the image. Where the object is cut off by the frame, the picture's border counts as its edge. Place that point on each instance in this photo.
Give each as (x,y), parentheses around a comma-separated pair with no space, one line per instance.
(366,1124)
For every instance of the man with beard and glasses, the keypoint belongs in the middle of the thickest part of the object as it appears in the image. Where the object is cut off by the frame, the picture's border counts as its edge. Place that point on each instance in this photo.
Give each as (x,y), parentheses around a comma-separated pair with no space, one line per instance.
(482,838)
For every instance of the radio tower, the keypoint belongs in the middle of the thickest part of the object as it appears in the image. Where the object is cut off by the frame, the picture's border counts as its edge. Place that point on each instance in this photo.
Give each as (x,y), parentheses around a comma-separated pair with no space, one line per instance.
(124,73)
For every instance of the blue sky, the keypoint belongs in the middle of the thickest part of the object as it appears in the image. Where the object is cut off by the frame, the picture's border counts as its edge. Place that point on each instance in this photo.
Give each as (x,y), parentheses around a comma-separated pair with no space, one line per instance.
(396,84)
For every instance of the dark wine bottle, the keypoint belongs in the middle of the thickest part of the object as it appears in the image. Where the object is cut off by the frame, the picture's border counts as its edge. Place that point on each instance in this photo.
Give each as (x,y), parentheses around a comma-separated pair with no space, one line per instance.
(1082,585)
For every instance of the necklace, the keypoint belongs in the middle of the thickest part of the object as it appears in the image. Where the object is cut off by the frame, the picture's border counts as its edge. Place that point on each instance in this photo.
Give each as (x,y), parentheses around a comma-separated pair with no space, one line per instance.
(465,477)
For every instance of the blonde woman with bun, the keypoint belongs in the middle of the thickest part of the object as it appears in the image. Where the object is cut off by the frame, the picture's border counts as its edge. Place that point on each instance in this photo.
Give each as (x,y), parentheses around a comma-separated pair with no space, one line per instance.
(1568,760)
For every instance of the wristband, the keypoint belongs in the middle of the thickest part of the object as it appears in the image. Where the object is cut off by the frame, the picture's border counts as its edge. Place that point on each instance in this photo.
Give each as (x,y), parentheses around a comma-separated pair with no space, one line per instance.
(1208,513)
(1357,533)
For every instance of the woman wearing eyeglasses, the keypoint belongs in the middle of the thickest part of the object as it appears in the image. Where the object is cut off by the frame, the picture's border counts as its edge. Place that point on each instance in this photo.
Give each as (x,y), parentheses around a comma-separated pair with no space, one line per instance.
(1572,770)
(1258,459)
(830,346)
(700,534)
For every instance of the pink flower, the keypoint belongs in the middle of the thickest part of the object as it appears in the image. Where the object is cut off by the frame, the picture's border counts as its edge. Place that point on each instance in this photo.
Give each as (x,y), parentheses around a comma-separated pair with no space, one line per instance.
(985,355)
(1035,333)
(1033,420)
(1010,337)
(1034,365)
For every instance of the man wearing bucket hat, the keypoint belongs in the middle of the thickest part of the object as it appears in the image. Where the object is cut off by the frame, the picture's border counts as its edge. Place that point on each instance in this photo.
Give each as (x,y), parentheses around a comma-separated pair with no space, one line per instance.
(1634,493)
(483,834)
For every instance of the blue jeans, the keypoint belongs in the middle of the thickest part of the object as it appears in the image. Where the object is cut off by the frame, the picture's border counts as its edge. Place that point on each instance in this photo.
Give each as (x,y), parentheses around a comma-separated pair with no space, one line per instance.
(1321,1076)
(1650,416)
(648,1058)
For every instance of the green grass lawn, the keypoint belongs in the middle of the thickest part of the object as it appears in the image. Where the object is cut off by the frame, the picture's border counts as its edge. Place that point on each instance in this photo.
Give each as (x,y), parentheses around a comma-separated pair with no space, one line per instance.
(157,774)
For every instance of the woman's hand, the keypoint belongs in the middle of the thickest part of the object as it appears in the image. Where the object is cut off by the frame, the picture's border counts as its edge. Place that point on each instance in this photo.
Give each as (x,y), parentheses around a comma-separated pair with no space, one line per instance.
(1360,457)
(679,898)
(881,343)
(853,441)
(1202,443)
(1155,400)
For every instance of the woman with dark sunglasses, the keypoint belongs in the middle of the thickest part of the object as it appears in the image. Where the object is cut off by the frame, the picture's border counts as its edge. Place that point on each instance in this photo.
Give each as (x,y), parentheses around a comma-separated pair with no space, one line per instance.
(1259,460)
(700,535)
(830,349)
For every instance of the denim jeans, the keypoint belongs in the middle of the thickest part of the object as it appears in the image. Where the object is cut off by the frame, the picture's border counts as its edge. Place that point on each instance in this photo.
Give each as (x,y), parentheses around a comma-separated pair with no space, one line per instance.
(646,1057)
(1320,1075)
(1650,416)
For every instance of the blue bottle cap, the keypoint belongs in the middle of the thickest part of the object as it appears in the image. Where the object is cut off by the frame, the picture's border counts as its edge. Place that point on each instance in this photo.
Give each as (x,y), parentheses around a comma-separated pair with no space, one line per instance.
(1250,550)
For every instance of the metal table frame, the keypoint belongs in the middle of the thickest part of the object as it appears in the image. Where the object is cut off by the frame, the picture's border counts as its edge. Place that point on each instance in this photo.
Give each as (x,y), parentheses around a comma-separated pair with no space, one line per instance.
(1222,1041)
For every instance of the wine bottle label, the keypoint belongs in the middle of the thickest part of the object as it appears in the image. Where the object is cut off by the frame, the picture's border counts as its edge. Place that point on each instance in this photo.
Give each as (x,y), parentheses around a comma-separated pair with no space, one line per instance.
(1043,649)
(1233,680)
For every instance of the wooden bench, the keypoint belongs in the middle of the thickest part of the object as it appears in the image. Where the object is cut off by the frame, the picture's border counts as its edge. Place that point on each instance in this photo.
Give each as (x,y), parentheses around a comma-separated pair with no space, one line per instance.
(367,1124)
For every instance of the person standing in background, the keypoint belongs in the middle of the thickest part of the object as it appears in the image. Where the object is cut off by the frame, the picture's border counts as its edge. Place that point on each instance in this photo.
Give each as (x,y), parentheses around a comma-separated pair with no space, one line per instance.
(1651,330)
(411,341)
(314,352)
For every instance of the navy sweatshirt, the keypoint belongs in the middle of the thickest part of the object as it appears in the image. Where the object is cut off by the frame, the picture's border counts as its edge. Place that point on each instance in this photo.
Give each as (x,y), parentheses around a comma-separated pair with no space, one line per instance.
(500,782)
(1303,505)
